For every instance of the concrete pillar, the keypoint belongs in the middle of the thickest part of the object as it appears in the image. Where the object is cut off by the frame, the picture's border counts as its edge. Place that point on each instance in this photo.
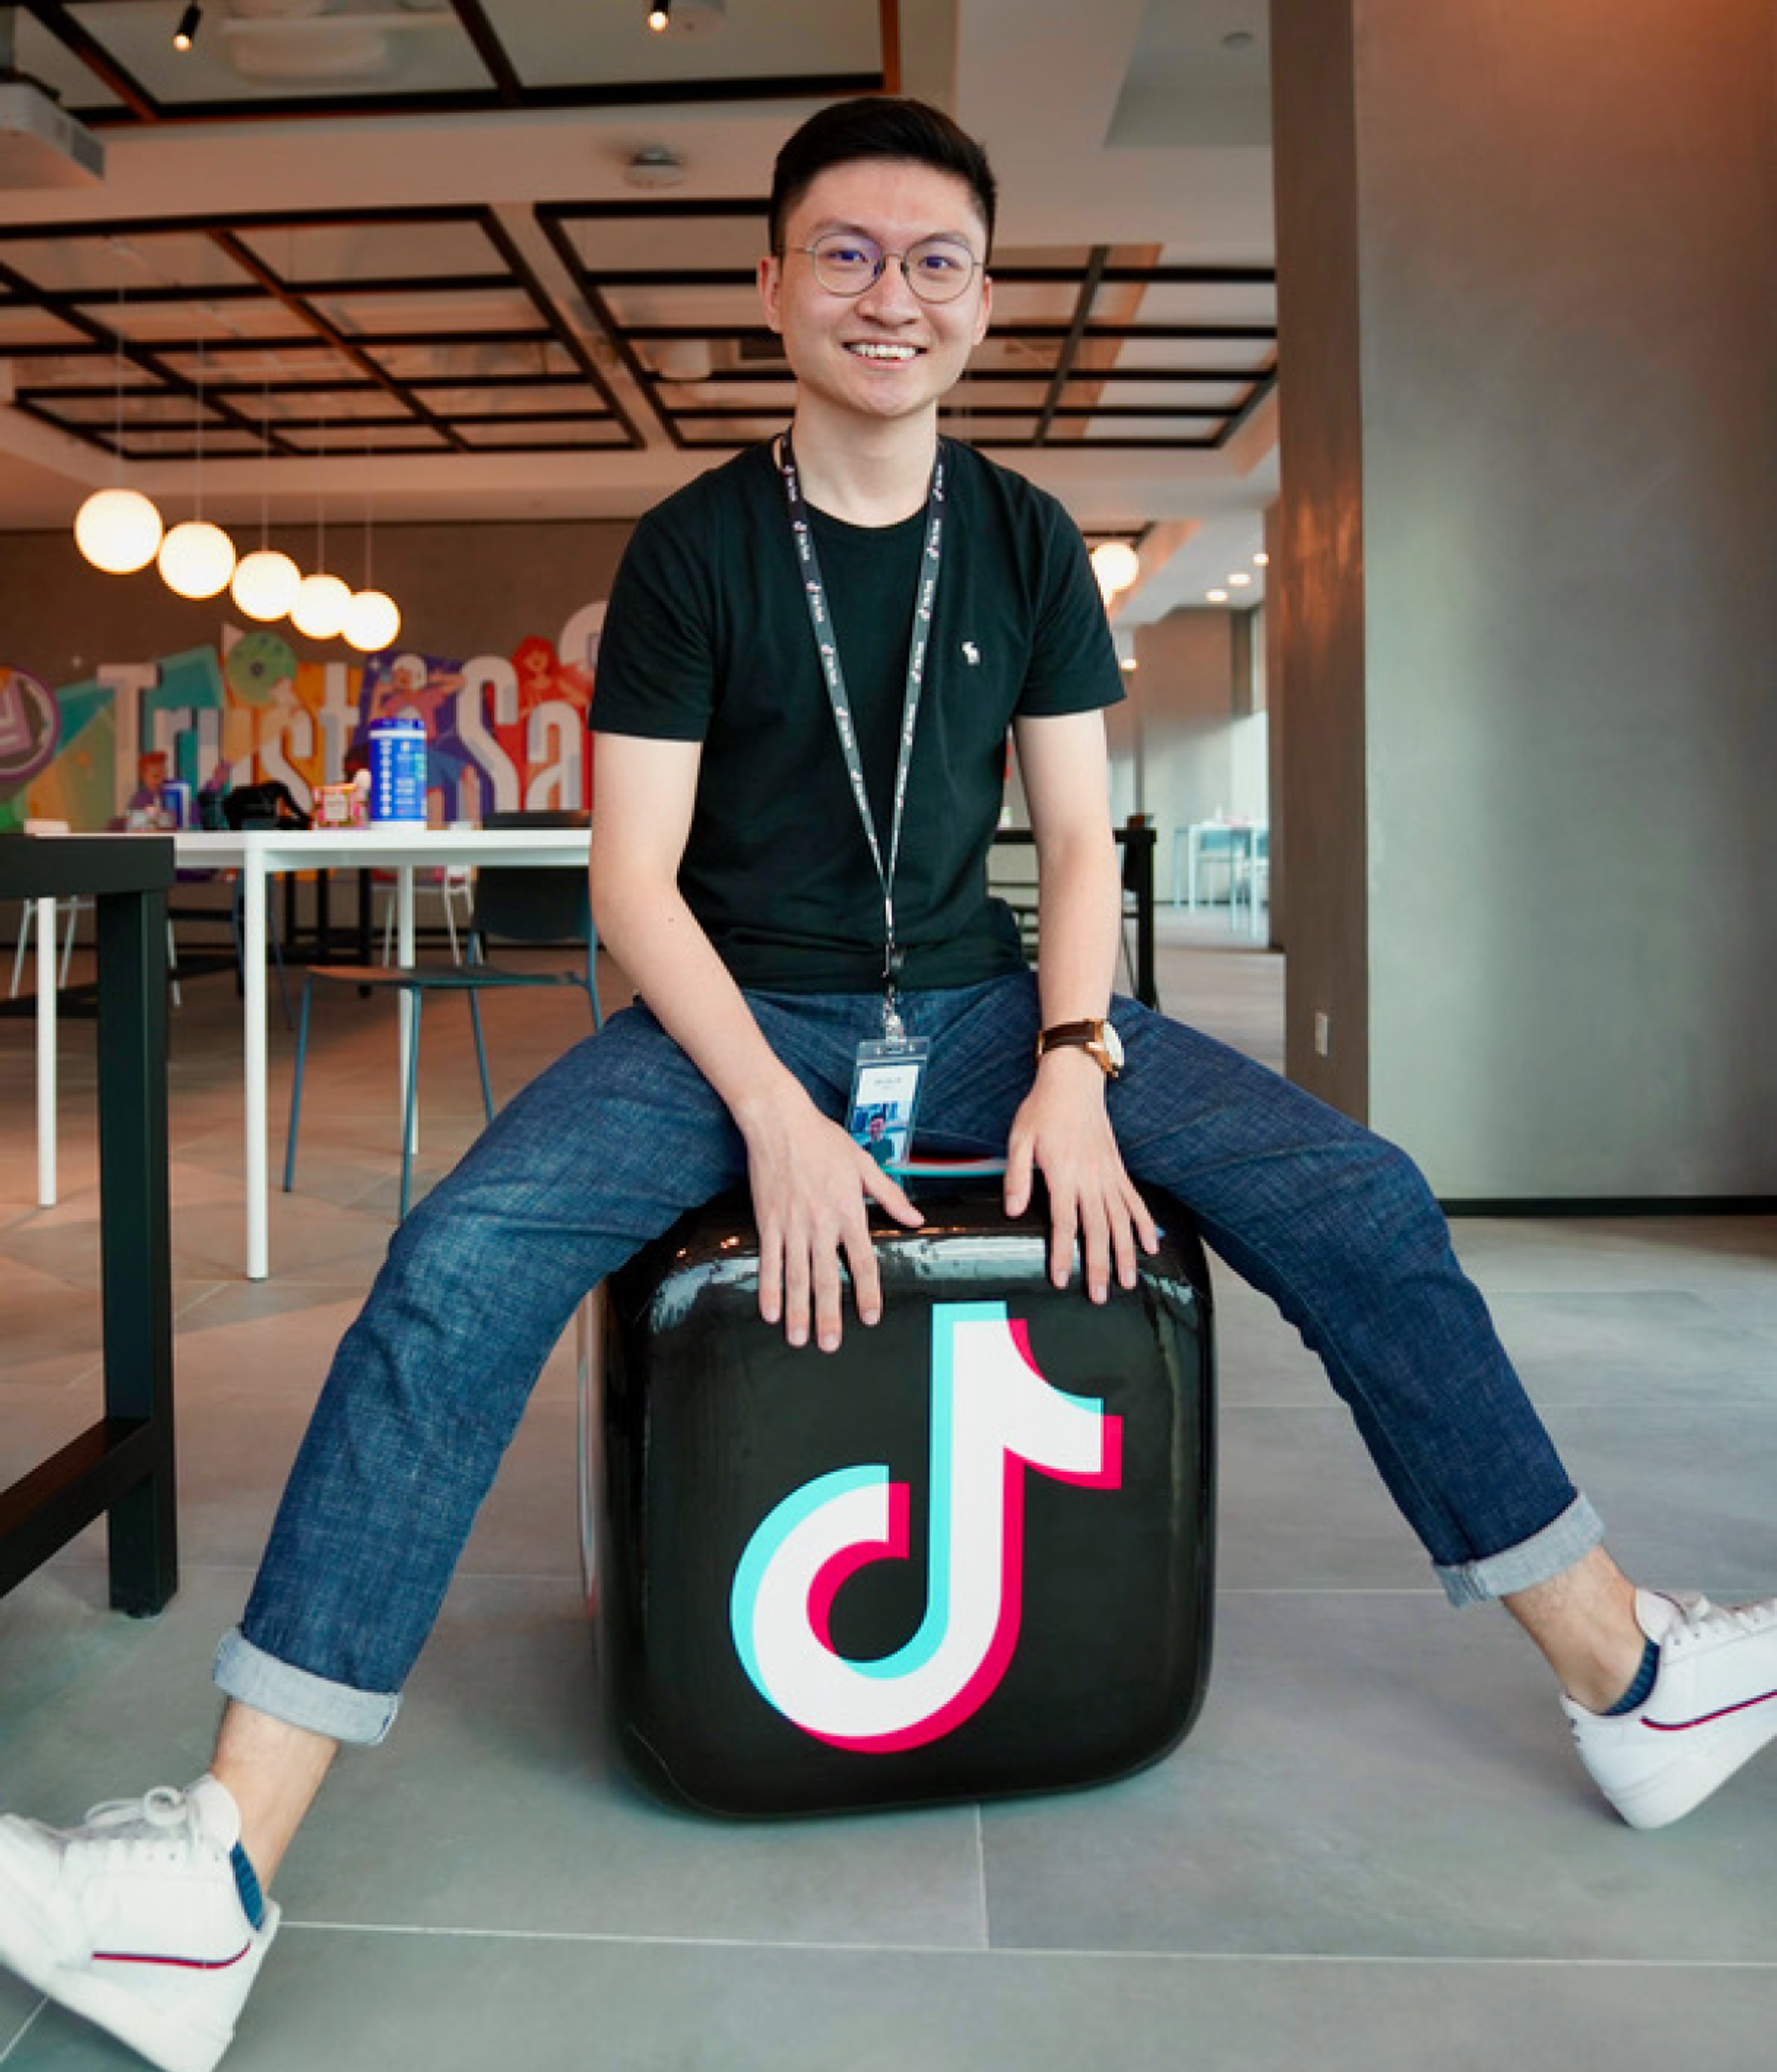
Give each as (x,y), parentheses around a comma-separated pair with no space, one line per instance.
(1524,637)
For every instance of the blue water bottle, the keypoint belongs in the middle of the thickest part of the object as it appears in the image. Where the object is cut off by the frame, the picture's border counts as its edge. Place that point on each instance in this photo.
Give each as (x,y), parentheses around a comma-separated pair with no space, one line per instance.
(397,769)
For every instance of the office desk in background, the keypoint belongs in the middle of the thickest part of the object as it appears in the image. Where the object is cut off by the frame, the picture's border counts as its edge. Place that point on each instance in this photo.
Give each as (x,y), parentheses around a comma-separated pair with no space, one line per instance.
(260,854)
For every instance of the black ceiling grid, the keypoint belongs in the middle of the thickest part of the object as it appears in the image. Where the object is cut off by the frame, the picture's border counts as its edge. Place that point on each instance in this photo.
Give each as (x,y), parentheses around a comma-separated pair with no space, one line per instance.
(1187,356)
(68,375)
(502,89)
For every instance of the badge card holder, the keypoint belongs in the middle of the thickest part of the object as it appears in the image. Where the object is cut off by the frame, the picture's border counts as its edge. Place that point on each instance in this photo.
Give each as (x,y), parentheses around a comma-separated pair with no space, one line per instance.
(885,1096)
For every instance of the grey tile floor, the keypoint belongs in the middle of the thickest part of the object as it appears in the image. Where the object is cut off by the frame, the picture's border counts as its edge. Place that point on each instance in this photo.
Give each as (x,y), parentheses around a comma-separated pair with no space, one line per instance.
(1376,1850)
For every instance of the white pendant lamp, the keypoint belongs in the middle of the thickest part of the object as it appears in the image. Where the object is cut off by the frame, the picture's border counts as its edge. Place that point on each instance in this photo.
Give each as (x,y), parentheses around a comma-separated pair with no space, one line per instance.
(197,559)
(372,620)
(266,583)
(319,609)
(1116,564)
(117,530)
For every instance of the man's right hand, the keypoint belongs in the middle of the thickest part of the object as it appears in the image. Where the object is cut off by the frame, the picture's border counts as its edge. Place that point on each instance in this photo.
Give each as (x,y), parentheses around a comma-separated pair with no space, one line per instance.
(811,1186)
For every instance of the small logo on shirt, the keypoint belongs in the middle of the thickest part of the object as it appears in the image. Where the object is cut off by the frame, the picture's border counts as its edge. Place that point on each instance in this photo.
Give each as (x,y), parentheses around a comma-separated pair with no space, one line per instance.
(972,655)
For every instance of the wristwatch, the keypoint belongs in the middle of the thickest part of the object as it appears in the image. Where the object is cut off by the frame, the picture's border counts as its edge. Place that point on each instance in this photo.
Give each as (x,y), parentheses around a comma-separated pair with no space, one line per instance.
(1098,1039)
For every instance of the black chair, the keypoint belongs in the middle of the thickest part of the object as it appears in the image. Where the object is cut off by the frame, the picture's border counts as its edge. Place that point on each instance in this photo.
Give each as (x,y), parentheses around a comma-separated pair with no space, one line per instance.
(533,903)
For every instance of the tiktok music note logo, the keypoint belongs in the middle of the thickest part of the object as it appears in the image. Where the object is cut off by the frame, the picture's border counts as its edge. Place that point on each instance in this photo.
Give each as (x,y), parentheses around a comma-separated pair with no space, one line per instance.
(994,1416)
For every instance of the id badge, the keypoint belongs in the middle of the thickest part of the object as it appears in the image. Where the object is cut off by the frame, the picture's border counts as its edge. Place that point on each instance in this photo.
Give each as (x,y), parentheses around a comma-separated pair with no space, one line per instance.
(885,1094)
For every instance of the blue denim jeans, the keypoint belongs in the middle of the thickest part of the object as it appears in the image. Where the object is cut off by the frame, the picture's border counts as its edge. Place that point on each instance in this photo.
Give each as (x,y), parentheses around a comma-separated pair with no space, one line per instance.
(610,1145)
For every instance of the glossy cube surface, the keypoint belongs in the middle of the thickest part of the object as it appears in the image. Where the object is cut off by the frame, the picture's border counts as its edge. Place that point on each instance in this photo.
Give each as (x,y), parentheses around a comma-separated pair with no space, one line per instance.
(969,1554)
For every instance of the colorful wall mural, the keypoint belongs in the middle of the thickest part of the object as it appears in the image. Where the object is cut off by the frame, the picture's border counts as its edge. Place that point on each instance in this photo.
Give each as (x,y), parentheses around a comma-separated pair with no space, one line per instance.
(504,732)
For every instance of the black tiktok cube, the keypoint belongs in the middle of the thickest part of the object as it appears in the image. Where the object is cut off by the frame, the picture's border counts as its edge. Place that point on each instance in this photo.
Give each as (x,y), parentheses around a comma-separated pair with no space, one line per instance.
(970,1554)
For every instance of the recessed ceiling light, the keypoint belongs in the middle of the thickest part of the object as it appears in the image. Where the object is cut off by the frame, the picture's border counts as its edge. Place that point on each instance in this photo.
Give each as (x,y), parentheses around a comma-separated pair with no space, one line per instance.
(1239,578)
(1216,596)
(1261,560)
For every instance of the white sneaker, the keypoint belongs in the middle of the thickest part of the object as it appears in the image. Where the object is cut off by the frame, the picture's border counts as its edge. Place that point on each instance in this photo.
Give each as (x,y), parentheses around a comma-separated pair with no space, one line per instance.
(1713,1707)
(135,1921)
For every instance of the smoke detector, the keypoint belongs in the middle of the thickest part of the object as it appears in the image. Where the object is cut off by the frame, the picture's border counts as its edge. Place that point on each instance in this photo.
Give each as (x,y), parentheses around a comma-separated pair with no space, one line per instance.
(655,166)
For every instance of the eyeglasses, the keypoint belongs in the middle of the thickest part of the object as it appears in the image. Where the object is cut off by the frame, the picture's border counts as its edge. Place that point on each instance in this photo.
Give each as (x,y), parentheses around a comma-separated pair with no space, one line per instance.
(938,269)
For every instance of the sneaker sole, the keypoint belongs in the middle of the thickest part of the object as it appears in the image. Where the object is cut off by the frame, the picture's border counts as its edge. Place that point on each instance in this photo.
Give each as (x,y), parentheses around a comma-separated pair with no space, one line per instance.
(175,2044)
(1669,1793)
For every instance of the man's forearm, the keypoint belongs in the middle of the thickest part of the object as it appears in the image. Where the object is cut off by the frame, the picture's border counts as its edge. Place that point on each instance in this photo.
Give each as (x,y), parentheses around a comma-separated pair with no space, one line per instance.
(673,965)
(1079,893)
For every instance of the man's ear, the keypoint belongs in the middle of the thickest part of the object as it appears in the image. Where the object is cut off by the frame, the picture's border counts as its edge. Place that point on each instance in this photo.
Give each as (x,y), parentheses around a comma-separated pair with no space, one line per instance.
(770,283)
(987,303)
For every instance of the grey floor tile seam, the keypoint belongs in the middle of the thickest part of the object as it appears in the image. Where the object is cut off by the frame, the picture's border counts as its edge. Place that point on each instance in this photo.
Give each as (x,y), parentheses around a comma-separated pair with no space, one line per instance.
(607,1937)
(1031,1953)
(29,2023)
(983,1910)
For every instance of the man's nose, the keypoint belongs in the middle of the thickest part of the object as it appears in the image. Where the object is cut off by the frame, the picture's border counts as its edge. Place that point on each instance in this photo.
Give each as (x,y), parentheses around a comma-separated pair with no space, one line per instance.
(888,297)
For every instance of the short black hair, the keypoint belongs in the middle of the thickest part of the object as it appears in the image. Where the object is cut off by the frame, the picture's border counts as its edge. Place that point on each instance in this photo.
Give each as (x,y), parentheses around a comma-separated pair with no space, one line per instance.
(879,126)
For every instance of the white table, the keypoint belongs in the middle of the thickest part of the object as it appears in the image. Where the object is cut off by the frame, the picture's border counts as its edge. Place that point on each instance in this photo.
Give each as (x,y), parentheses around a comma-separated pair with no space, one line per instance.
(1236,843)
(260,854)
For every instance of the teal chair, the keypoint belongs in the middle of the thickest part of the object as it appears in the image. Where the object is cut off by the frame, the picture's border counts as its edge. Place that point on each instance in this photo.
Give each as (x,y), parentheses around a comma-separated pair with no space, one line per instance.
(536,904)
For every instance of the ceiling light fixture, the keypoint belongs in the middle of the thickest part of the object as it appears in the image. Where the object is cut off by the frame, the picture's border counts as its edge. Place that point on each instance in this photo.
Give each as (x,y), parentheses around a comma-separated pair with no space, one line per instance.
(197,558)
(1216,596)
(372,619)
(1116,564)
(1261,560)
(1238,579)
(185,34)
(265,582)
(660,16)
(118,530)
(319,608)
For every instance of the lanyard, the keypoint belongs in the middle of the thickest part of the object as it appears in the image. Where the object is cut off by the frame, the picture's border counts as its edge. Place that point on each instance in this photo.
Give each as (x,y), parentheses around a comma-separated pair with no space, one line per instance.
(826,646)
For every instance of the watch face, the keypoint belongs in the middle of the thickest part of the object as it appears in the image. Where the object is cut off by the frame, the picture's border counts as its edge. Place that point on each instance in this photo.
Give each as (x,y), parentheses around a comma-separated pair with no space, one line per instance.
(1113,1046)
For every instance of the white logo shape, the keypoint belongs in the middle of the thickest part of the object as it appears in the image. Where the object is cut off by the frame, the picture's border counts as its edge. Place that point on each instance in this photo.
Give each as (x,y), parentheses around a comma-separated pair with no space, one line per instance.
(993,1416)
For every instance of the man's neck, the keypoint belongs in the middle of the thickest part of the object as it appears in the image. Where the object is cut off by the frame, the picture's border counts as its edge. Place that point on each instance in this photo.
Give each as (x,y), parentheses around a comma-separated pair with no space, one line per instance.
(877,476)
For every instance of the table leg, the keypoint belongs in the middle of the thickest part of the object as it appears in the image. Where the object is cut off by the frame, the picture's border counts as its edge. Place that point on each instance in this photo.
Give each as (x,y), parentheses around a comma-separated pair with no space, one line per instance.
(135,1252)
(253,901)
(46,1178)
(405,950)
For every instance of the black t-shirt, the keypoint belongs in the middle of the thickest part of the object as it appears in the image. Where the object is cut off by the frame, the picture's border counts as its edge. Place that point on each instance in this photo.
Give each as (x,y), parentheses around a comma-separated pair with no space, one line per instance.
(707,639)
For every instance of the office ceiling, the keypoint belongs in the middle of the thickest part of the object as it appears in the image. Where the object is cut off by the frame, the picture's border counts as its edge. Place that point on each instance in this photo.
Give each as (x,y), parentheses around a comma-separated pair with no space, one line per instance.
(493,258)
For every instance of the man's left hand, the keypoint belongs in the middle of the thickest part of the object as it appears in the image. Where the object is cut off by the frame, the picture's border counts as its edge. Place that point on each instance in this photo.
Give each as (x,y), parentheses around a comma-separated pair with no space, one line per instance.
(1062,1130)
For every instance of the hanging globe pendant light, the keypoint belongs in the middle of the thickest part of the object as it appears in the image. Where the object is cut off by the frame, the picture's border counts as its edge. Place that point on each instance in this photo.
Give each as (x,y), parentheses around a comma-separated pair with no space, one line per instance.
(117,530)
(319,609)
(372,620)
(197,559)
(266,583)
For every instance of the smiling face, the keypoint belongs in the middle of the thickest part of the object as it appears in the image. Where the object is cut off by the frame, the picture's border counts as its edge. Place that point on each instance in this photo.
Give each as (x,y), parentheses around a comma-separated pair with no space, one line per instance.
(884,355)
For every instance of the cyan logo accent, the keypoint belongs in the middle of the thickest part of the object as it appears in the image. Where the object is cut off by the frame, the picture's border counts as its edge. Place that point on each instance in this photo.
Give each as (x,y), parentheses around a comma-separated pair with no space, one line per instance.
(994,1416)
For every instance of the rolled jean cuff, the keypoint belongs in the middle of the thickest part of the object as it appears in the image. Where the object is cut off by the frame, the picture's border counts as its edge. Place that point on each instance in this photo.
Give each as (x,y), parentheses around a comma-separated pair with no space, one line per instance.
(300,1699)
(1563,1541)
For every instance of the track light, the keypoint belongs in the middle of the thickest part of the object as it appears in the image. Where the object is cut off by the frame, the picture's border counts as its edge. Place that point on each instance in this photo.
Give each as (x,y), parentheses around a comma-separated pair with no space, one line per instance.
(185,34)
(659,14)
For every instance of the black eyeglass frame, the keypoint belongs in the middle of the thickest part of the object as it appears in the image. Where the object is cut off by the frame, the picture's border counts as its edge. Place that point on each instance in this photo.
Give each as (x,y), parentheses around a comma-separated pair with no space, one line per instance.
(840,239)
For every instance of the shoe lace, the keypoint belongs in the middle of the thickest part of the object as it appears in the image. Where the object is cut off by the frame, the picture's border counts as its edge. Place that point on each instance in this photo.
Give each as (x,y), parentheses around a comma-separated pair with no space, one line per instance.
(161,1823)
(1703,1621)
